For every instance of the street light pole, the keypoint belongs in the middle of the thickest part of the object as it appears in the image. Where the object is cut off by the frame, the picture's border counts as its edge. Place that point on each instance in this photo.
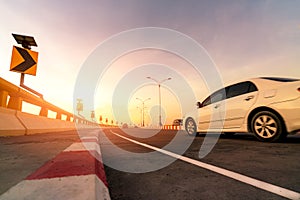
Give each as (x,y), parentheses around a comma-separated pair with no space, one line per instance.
(143,109)
(159,95)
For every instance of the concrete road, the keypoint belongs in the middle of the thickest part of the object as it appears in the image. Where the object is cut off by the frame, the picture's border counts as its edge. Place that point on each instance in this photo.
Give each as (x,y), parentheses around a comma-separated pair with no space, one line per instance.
(272,167)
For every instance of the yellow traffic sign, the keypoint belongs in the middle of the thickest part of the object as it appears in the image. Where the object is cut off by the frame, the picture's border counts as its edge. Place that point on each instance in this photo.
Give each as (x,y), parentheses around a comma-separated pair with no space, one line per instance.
(24,61)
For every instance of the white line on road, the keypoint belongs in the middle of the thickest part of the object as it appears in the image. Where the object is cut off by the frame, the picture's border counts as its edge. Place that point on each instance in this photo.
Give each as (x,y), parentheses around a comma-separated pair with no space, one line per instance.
(239,177)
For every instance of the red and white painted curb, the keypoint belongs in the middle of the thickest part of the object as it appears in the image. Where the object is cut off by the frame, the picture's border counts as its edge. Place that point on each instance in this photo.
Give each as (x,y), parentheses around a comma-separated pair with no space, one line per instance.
(75,173)
(172,127)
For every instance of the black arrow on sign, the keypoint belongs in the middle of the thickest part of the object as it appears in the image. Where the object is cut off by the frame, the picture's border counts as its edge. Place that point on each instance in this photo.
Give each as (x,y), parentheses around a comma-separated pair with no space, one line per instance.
(28,61)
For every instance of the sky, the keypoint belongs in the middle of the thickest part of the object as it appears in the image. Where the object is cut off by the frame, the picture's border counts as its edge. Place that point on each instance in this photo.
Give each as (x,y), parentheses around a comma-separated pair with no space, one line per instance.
(243,39)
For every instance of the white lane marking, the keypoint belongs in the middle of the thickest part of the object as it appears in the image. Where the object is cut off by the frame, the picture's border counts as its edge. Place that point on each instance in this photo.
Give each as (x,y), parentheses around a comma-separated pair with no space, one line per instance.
(239,177)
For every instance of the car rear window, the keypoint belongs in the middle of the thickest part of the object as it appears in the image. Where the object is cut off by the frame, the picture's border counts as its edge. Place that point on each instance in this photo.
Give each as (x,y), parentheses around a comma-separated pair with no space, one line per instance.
(281,79)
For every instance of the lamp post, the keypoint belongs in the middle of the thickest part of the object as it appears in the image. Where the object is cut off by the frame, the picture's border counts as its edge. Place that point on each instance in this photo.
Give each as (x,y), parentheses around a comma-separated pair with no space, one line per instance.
(159,94)
(143,108)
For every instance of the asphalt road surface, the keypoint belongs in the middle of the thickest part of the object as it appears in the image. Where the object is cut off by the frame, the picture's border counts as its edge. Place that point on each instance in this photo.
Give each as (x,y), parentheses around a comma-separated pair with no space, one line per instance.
(275,166)
(238,167)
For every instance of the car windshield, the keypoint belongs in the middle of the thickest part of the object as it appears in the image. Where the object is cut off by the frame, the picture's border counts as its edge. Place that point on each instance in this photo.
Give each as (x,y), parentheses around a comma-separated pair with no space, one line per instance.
(281,79)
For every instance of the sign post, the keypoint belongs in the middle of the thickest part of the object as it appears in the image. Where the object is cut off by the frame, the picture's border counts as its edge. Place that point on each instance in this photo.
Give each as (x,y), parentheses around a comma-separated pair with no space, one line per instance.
(24,60)
(93,115)
(79,106)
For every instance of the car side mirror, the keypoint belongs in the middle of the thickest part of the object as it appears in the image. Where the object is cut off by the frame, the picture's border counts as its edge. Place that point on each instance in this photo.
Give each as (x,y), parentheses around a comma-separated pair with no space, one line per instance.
(199,105)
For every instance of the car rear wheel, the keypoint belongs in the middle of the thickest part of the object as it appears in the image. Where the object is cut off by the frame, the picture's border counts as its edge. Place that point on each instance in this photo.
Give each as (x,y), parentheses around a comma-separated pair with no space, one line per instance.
(190,126)
(267,127)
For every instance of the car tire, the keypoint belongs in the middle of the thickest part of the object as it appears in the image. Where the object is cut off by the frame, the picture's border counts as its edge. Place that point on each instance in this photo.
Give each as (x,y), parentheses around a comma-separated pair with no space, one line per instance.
(190,126)
(267,127)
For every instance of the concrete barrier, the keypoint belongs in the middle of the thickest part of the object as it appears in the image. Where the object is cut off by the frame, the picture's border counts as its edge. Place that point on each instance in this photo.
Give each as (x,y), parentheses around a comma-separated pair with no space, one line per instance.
(37,124)
(13,123)
(172,127)
(10,125)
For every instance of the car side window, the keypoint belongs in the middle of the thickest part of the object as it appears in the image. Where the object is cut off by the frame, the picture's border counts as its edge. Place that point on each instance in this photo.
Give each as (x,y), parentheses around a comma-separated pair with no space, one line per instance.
(229,92)
(252,87)
(218,96)
(215,97)
(240,89)
(206,102)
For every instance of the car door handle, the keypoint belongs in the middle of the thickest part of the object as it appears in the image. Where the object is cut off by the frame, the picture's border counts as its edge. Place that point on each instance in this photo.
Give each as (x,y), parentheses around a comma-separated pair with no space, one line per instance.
(217,106)
(249,98)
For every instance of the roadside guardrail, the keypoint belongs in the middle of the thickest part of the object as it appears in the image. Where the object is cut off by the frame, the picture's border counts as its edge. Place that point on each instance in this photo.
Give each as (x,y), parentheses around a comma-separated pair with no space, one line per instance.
(12,96)
(16,122)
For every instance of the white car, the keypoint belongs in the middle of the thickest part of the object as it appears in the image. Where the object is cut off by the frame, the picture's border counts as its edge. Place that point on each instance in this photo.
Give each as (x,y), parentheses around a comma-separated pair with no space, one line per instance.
(268,107)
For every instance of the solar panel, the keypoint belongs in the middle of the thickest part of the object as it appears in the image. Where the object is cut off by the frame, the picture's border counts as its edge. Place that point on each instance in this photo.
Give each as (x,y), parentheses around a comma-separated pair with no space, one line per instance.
(25,41)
